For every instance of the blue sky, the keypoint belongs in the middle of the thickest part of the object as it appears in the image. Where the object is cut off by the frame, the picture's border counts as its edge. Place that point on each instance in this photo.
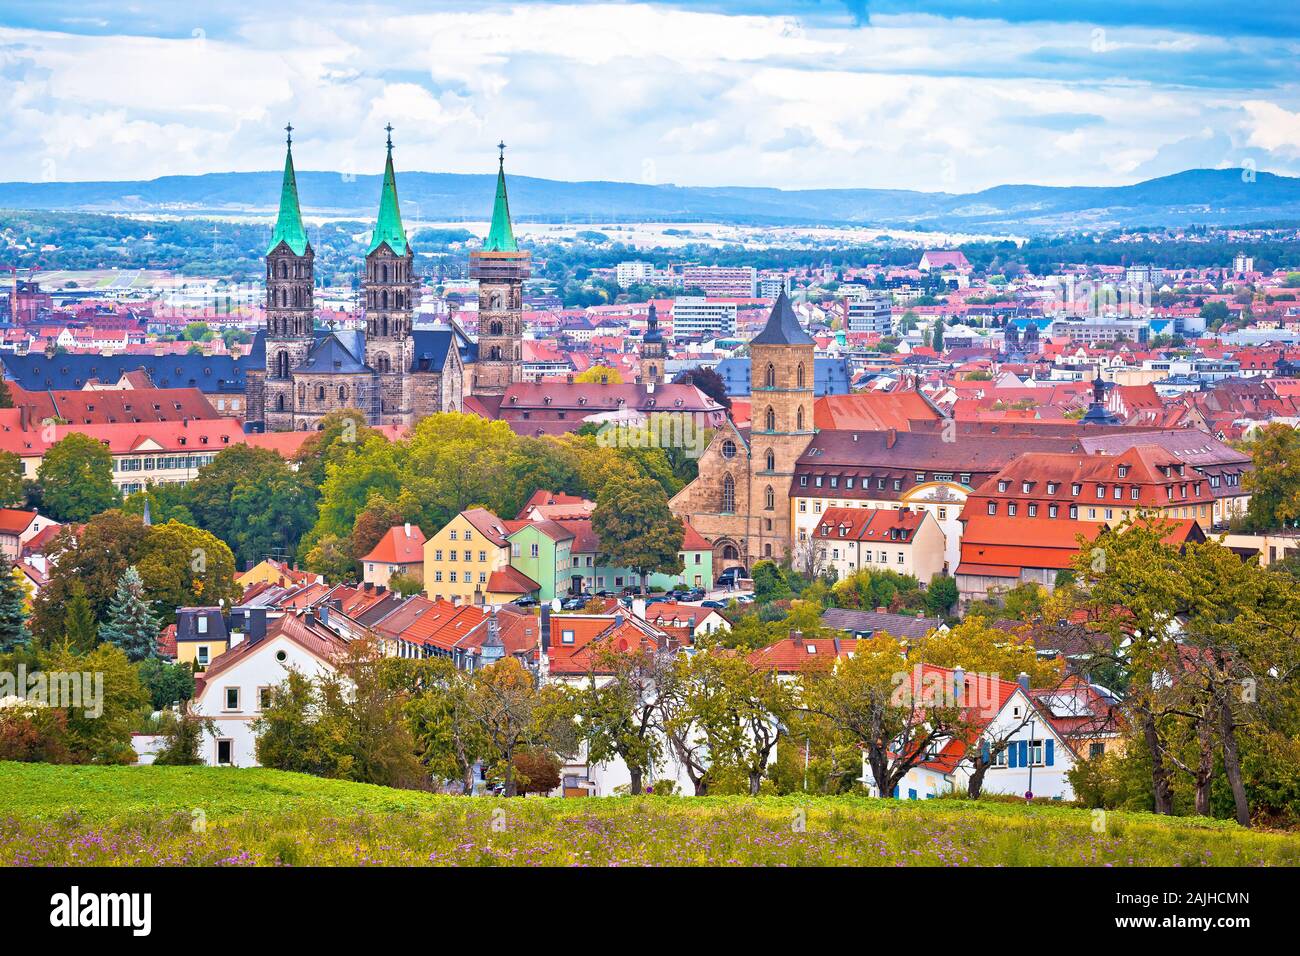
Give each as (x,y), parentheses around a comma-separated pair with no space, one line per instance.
(954,96)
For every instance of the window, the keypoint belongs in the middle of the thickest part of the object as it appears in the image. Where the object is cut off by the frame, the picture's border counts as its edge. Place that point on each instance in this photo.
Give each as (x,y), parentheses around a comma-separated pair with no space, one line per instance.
(264,697)
(533,550)
(201,624)
(453,536)
(232,698)
(225,752)
(993,507)
(770,499)
(770,420)
(728,494)
(566,637)
(201,655)
(728,449)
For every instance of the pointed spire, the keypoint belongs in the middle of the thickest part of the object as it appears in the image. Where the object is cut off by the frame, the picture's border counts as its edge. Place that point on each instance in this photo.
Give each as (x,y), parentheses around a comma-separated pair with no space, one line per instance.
(783,327)
(288,225)
(388,228)
(501,237)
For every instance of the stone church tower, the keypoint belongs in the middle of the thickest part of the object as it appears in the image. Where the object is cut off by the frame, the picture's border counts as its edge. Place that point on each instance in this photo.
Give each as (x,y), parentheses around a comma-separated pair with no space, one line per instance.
(741,498)
(290,279)
(500,269)
(781,403)
(650,369)
(389,291)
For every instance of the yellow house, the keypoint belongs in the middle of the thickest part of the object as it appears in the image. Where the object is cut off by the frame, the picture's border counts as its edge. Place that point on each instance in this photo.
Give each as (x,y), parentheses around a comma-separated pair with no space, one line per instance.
(462,558)
(201,636)
(271,571)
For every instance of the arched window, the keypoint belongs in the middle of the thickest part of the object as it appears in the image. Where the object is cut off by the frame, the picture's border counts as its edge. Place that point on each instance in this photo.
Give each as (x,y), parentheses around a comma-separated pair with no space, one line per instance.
(494,328)
(769,377)
(799,375)
(728,494)
(729,553)
(282,365)
(343,393)
(383,273)
(769,419)
(771,460)
(284,269)
(799,419)
(384,320)
(494,353)
(320,393)
(383,299)
(279,403)
(767,550)
(769,499)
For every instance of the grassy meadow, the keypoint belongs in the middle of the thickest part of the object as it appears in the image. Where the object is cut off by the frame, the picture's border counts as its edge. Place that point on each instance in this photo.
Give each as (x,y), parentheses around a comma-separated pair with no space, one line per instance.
(126,816)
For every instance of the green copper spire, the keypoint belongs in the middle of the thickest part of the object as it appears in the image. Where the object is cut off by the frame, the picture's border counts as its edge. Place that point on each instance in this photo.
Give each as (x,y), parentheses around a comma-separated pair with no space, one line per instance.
(501,237)
(288,225)
(389,227)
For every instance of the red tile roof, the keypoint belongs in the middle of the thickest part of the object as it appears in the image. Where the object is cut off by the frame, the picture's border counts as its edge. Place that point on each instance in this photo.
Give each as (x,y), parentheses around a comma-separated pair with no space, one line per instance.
(403,544)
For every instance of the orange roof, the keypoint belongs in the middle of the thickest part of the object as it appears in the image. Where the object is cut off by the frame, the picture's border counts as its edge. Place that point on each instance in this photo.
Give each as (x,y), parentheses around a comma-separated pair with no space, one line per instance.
(510,580)
(796,653)
(403,544)
(873,411)
(14,521)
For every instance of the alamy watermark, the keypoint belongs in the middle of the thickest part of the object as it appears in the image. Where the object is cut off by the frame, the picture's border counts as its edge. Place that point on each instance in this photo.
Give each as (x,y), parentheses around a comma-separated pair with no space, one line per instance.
(71,690)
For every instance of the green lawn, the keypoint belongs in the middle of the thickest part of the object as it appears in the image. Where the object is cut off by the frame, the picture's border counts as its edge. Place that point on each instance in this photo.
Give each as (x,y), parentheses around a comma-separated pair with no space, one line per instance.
(202,816)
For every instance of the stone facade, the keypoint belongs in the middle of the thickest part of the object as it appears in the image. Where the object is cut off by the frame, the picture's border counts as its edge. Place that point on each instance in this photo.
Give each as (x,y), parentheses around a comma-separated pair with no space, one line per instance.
(740,498)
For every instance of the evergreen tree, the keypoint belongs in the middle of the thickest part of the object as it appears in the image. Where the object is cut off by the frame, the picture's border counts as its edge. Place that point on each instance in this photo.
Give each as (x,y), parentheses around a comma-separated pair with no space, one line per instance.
(79,630)
(936,340)
(131,625)
(13,615)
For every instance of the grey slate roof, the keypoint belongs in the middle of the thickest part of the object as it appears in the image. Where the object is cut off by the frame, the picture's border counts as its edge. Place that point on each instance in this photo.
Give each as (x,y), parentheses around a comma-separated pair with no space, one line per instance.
(331,355)
(212,374)
(782,327)
(872,622)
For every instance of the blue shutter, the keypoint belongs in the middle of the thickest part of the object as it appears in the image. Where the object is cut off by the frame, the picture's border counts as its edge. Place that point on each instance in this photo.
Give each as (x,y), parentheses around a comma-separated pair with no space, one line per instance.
(984,751)
(1051,747)
(1011,756)
(911,794)
(1024,753)
(895,791)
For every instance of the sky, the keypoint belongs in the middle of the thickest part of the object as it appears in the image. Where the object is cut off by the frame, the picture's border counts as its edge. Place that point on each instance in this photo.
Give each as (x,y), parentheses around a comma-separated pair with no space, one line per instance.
(948,96)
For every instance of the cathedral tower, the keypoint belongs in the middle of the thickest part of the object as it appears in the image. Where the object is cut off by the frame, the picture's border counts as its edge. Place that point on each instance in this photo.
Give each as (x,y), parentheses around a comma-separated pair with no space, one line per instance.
(782,395)
(653,352)
(390,289)
(500,269)
(290,279)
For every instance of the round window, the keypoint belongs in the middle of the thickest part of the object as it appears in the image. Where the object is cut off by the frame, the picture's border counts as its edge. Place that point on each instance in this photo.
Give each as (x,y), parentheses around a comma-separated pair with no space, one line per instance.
(728,449)
(281,656)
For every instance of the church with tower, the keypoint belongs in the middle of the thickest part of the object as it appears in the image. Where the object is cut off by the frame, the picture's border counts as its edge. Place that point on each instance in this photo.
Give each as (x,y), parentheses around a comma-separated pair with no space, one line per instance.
(740,498)
(392,371)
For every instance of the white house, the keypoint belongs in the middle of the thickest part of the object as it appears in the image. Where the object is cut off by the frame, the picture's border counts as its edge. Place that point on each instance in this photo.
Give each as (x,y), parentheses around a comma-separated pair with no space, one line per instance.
(237,684)
(1032,756)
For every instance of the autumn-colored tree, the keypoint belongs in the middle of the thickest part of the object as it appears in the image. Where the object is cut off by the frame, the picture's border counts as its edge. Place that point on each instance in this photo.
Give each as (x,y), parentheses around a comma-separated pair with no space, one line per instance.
(637,529)
(76,478)
(1274,481)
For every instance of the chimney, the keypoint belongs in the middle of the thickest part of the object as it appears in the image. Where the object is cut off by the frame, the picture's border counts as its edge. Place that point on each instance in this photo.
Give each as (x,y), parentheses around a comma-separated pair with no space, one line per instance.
(638,608)
(835,642)
(545,626)
(1023,680)
(797,637)
(407,528)
(891,438)
(880,610)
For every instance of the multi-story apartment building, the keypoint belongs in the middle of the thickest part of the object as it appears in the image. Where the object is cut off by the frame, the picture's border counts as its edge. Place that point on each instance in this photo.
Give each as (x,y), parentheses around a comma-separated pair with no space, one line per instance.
(737,282)
(696,315)
(855,539)
(870,313)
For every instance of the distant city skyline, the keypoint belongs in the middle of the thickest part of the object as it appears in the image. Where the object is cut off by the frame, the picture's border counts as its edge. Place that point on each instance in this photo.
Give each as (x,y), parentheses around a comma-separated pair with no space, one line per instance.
(948,96)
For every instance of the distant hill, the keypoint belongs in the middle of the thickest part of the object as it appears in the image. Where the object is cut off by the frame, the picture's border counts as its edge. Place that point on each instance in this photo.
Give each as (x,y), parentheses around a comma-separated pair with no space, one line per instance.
(1209,196)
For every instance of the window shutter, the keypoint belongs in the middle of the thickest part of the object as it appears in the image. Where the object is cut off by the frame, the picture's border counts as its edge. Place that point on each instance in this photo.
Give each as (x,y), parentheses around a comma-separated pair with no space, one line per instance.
(895,791)
(1051,747)
(984,751)
(1011,756)
(1024,753)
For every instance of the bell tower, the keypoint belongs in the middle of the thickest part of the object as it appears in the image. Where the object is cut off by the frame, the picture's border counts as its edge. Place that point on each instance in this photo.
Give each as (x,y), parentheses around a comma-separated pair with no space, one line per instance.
(653,353)
(500,268)
(290,280)
(390,289)
(781,395)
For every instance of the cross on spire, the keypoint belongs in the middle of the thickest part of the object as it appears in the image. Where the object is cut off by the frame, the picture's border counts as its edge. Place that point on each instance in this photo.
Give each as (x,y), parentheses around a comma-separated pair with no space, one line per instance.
(502,147)
(288,134)
(389,128)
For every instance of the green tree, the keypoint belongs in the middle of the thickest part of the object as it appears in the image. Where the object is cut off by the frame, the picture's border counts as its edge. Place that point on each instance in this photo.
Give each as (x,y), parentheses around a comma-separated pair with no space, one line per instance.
(80,631)
(166,682)
(76,478)
(182,739)
(940,595)
(12,488)
(636,529)
(100,731)
(1274,482)
(769,583)
(131,625)
(183,566)
(14,634)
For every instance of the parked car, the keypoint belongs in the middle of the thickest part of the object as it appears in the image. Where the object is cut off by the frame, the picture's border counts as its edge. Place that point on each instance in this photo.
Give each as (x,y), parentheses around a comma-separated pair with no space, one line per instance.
(729,577)
(575,602)
(528,600)
(694,594)
(716,605)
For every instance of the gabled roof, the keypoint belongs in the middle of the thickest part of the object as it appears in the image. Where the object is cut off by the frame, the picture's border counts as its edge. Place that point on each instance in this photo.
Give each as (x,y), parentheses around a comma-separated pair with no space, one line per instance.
(510,580)
(783,327)
(795,654)
(330,356)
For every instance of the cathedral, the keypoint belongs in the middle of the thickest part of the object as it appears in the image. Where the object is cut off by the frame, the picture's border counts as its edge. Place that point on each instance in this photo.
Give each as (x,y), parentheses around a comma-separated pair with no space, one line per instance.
(393,372)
